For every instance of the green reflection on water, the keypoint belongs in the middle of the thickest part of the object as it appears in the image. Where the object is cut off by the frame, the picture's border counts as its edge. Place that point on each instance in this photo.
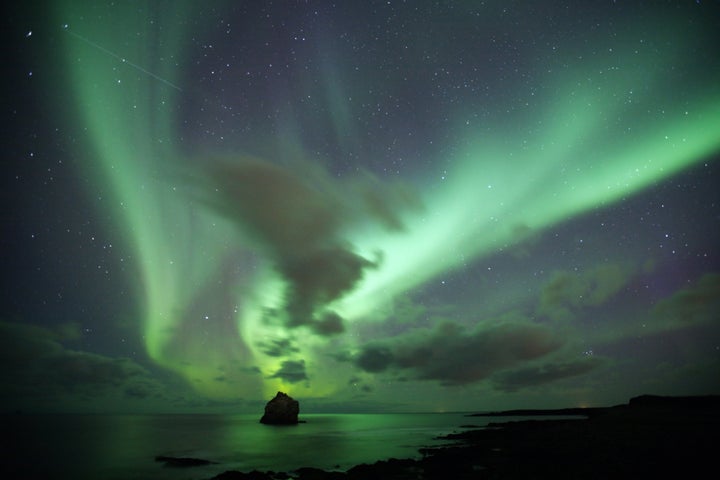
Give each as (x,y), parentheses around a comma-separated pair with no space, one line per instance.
(124,446)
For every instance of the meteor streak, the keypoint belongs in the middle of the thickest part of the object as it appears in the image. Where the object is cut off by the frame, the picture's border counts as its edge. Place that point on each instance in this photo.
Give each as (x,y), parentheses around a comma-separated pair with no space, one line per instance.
(120,58)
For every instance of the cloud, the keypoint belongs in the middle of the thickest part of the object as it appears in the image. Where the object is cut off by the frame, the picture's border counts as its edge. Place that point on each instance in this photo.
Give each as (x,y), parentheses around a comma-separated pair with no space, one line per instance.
(568,292)
(278,347)
(375,358)
(297,220)
(525,239)
(141,388)
(695,304)
(72,370)
(317,279)
(404,310)
(291,371)
(532,376)
(696,377)
(21,344)
(359,384)
(384,202)
(453,356)
(692,308)
(330,324)
(38,370)
(71,331)
(273,206)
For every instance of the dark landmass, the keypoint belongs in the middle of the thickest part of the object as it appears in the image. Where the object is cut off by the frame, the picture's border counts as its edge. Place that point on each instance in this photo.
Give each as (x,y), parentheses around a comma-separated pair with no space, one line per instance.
(584,412)
(643,401)
(182,461)
(281,410)
(651,436)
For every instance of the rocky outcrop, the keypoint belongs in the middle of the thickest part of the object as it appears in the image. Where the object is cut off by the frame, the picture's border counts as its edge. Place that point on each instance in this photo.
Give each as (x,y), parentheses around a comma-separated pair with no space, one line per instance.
(182,461)
(281,410)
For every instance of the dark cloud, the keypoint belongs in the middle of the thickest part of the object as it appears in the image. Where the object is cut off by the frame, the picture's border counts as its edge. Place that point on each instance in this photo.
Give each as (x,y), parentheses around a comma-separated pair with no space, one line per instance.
(385,202)
(21,344)
(532,376)
(38,369)
(143,389)
(288,216)
(317,279)
(297,220)
(291,371)
(82,370)
(454,356)
(696,304)
(330,324)
(280,347)
(697,376)
(357,383)
(375,358)
(568,292)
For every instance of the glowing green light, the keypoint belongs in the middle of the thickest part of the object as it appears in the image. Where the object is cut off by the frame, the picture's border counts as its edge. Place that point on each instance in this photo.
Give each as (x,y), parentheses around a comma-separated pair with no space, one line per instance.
(207,290)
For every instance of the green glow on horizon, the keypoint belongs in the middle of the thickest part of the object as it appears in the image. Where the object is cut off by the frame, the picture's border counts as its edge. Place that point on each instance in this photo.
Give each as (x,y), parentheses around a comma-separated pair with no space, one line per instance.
(497,185)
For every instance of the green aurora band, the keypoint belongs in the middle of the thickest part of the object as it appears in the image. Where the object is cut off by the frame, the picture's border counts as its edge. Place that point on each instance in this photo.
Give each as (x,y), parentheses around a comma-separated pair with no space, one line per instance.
(207,288)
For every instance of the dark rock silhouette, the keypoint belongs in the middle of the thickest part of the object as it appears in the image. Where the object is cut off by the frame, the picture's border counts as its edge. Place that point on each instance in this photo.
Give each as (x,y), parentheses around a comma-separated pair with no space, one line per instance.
(281,410)
(253,475)
(182,461)
(702,402)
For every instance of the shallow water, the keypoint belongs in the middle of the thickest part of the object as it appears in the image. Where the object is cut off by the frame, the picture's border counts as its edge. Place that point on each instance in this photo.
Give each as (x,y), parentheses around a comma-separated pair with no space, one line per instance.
(124,446)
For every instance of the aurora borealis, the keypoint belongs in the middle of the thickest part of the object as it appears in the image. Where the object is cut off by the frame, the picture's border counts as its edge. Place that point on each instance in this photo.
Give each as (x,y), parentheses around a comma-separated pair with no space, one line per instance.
(404,205)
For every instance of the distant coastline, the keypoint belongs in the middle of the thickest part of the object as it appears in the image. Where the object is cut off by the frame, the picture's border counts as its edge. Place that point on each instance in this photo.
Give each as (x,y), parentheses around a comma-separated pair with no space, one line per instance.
(642,401)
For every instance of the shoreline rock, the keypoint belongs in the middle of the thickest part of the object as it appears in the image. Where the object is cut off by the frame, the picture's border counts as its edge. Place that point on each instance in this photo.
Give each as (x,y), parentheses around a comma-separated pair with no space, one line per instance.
(281,410)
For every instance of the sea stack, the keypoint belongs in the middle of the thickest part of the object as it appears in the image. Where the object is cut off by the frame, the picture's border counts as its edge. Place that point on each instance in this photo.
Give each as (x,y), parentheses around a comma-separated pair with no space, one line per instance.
(281,410)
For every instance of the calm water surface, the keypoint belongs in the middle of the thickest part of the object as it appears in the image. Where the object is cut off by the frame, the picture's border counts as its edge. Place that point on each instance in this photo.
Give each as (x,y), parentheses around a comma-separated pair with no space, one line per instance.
(124,446)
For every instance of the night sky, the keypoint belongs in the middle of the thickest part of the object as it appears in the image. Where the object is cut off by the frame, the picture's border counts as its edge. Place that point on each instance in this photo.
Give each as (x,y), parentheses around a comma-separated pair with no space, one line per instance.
(372,206)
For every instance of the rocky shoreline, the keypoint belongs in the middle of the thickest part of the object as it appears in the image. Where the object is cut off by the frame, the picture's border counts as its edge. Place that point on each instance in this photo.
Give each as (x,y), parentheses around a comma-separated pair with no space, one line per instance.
(649,437)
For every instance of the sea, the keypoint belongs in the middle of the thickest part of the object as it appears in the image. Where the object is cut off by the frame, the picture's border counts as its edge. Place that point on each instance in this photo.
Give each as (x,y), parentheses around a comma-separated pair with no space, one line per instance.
(124,447)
